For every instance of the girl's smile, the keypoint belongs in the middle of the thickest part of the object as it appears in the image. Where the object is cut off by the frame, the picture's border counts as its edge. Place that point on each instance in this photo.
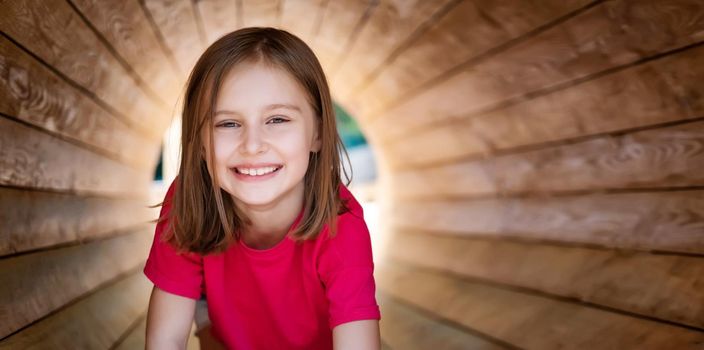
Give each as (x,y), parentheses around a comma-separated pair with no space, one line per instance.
(256,172)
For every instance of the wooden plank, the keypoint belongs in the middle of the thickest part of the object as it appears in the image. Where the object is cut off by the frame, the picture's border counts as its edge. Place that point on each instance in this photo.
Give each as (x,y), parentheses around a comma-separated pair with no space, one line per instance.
(664,157)
(34,94)
(95,322)
(135,339)
(311,10)
(389,26)
(219,18)
(663,221)
(403,327)
(659,91)
(614,279)
(56,33)
(261,13)
(67,272)
(124,25)
(469,30)
(30,158)
(177,25)
(33,219)
(341,21)
(612,34)
(526,320)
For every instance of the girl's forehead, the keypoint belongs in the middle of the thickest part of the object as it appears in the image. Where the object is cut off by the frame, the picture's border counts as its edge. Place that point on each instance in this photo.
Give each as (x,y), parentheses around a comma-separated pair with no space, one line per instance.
(257,78)
(249,83)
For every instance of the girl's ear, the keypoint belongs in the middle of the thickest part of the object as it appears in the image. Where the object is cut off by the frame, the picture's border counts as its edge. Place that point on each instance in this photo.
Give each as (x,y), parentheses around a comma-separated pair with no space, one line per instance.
(317,143)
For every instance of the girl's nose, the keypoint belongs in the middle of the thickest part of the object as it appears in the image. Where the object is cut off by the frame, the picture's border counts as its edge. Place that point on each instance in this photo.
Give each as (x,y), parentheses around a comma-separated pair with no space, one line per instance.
(253,141)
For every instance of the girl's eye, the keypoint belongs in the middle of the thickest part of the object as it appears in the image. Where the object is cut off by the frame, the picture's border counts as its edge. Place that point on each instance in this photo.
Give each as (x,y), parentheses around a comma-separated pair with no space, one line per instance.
(278,120)
(227,124)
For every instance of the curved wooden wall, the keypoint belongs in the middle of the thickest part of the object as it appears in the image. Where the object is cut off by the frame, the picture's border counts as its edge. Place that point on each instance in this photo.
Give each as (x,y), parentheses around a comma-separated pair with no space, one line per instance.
(542,162)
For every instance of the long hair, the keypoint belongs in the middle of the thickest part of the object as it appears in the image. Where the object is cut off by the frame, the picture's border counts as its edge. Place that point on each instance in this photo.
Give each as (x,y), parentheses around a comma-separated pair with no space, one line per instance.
(203,218)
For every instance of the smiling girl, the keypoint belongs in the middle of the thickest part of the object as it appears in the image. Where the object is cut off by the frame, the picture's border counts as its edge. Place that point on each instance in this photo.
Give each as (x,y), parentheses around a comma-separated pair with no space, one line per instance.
(258,220)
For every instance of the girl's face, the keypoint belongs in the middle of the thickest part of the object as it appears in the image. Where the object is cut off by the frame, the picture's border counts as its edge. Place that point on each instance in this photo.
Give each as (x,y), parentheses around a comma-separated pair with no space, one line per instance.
(263,132)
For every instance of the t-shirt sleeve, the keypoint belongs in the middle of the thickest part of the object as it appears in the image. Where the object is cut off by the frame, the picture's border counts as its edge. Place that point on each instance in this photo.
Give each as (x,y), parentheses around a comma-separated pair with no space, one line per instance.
(180,274)
(346,269)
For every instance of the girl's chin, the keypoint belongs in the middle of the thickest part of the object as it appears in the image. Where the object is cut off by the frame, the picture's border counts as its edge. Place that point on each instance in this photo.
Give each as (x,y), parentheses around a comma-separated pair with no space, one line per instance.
(255,199)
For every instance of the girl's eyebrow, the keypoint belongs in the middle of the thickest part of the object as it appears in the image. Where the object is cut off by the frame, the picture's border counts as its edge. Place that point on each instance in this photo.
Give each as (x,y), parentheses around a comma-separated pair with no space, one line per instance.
(267,108)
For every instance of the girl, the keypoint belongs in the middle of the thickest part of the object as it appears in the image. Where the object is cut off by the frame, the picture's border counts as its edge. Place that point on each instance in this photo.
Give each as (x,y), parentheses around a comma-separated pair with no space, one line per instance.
(258,220)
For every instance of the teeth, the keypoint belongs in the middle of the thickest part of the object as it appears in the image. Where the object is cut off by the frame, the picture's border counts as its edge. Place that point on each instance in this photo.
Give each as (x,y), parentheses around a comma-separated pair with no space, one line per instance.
(256,172)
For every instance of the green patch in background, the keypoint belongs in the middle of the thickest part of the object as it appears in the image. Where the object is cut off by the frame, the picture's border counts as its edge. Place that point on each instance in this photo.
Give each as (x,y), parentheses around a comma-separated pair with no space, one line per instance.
(347,128)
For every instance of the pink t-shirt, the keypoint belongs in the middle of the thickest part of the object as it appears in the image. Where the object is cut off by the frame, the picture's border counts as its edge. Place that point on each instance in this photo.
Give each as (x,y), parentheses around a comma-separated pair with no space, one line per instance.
(289,296)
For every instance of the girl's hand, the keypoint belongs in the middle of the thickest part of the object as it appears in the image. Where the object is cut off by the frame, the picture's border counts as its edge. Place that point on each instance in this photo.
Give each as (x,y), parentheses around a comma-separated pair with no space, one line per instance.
(357,335)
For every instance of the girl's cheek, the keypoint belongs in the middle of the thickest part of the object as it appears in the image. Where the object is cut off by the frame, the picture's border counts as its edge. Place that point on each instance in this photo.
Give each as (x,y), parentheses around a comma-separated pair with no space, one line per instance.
(224,147)
(292,144)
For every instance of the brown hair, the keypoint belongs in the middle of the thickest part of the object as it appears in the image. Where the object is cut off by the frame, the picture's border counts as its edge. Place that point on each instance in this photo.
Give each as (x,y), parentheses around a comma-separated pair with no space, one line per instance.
(198,199)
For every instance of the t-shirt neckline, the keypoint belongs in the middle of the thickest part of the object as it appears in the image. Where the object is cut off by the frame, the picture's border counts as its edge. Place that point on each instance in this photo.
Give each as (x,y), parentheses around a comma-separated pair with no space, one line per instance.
(278,247)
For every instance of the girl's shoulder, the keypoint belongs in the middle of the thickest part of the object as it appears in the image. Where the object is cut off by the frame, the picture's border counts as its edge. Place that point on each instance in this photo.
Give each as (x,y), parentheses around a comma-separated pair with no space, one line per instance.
(353,206)
(350,246)
(351,226)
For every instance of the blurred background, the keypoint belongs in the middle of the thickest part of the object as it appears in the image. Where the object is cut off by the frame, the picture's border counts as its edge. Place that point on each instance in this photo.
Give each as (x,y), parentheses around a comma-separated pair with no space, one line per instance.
(532,172)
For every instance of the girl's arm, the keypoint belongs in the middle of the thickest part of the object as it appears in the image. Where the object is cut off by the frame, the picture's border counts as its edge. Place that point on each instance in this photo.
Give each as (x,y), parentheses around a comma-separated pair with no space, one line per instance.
(169,320)
(362,334)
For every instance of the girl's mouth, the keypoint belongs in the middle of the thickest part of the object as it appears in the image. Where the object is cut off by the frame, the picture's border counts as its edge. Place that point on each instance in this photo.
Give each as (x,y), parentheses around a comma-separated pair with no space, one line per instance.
(258,174)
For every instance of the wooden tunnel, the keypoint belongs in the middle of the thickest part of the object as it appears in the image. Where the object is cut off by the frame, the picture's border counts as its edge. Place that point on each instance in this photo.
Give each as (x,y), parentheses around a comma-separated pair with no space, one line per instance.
(541,162)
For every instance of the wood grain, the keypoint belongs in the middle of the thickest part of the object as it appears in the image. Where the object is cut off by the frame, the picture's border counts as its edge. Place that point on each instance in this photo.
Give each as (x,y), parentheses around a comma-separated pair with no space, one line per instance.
(664,221)
(402,327)
(30,158)
(390,25)
(670,290)
(661,91)
(663,157)
(261,13)
(36,284)
(56,33)
(176,22)
(95,322)
(219,18)
(34,94)
(612,34)
(124,25)
(135,338)
(34,219)
(472,28)
(341,23)
(311,10)
(526,320)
